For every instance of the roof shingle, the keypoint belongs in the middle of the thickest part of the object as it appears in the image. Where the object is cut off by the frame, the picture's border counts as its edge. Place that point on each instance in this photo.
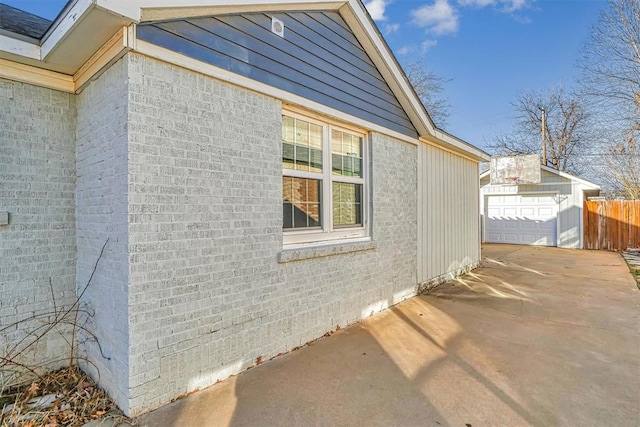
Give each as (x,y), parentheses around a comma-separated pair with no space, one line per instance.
(20,22)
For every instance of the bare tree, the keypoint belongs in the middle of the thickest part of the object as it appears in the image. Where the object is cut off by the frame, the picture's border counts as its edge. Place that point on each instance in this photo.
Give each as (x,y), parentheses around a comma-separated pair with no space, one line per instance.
(429,87)
(566,128)
(611,78)
(611,59)
(622,166)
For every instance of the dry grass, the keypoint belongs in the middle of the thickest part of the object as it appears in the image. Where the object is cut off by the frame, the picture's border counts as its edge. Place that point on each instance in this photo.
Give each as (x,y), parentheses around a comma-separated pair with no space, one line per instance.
(66,397)
(632,258)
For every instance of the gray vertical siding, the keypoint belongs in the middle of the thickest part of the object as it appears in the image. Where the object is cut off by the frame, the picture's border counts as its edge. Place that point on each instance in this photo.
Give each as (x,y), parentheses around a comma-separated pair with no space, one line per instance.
(448,215)
(319,59)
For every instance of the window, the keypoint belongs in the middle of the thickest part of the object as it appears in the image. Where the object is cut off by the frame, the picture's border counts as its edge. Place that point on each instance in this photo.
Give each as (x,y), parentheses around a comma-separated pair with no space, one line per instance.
(323,181)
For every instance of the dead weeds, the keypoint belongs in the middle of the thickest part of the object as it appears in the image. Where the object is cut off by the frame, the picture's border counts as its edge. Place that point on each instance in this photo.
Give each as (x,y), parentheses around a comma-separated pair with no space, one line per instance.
(66,397)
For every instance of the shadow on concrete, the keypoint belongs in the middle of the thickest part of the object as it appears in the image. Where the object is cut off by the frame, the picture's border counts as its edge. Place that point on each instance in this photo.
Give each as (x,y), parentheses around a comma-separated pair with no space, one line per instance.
(538,336)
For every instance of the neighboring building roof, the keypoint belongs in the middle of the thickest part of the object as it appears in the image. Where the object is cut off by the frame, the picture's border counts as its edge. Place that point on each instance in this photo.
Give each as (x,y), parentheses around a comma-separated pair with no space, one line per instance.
(588,184)
(23,23)
(84,28)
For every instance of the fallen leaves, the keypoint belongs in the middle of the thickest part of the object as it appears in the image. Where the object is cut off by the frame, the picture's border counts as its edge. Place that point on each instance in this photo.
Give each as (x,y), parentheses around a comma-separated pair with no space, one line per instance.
(67,397)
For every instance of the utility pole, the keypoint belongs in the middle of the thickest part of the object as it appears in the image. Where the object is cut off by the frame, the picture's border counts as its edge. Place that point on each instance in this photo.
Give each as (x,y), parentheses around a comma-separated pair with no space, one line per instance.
(544,137)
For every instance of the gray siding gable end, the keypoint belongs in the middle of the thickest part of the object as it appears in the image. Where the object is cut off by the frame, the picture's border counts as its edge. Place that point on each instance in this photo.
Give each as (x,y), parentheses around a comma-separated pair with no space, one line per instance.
(319,59)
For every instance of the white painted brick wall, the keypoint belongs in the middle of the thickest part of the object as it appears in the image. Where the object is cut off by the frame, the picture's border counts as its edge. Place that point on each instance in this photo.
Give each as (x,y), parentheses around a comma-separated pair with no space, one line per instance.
(102,213)
(38,247)
(207,295)
(182,173)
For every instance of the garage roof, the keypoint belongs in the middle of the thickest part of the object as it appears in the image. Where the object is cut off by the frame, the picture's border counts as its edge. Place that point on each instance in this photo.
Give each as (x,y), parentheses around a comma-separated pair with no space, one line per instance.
(588,184)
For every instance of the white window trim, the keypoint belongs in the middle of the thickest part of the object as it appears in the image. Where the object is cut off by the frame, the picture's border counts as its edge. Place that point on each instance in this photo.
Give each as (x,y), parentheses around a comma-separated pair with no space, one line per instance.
(329,234)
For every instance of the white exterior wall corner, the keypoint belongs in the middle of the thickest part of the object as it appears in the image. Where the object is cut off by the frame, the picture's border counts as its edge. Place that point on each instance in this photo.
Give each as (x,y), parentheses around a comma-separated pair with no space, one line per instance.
(449,212)
(102,214)
(207,294)
(38,246)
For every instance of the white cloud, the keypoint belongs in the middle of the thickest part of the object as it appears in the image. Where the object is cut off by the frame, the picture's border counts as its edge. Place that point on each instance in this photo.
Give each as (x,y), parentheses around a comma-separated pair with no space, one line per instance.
(439,18)
(477,3)
(507,6)
(391,28)
(513,5)
(427,44)
(406,50)
(376,9)
(415,49)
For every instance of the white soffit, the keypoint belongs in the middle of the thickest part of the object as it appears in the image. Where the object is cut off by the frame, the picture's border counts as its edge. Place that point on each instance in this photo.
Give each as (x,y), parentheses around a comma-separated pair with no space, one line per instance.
(84,40)
(71,41)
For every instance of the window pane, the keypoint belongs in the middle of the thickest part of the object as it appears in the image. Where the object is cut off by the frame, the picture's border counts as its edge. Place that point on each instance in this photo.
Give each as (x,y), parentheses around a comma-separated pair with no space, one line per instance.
(315,136)
(346,154)
(301,145)
(288,147)
(347,204)
(301,201)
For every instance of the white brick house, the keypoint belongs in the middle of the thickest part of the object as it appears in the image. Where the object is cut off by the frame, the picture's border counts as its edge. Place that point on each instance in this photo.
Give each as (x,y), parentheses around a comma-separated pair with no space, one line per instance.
(263,173)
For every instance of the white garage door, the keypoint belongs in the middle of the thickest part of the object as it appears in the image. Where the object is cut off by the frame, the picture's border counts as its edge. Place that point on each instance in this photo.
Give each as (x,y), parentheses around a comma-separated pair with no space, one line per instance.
(523,220)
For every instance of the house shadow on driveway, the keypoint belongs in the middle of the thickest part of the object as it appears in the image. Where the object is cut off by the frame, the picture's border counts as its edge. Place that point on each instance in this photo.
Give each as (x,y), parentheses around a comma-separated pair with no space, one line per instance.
(536,336)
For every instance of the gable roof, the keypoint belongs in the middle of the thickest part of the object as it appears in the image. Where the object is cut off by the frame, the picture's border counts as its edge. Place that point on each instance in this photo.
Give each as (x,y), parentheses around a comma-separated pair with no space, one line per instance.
(84,27)
(590,185)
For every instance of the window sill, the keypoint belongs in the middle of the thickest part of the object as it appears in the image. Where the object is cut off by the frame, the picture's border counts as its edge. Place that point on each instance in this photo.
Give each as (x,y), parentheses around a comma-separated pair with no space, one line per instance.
(324,250)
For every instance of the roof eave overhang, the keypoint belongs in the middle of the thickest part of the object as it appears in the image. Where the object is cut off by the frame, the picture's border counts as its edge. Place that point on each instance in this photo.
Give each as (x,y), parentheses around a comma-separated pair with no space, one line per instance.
(368,35)
(84,26)
(586,184)
(457,145)
(74,37)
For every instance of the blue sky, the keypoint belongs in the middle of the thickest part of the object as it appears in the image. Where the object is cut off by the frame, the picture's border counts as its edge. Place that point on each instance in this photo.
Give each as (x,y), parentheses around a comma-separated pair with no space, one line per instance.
(489,49)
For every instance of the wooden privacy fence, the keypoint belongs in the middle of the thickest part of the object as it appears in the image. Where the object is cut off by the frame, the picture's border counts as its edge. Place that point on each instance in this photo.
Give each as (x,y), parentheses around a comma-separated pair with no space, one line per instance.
(612,225)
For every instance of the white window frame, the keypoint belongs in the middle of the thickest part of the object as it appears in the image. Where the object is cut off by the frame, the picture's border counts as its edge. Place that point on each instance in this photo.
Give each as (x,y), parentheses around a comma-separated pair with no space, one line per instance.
(327,233)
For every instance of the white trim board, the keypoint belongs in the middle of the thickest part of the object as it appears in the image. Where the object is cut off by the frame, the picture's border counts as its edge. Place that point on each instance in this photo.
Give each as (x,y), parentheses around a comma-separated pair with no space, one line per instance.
(110,52)
(169,56)
(19,47)
(36,76)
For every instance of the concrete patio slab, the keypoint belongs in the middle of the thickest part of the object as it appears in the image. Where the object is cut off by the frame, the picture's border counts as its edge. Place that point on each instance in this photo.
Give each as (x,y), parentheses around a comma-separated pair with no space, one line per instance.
(536,336)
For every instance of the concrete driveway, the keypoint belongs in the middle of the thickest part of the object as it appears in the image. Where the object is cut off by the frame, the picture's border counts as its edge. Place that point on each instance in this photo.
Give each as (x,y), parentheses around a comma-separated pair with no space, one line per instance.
(536,336)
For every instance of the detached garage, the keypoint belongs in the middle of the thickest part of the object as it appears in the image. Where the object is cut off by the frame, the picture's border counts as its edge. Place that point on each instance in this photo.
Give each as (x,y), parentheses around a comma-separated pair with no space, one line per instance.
(548,213)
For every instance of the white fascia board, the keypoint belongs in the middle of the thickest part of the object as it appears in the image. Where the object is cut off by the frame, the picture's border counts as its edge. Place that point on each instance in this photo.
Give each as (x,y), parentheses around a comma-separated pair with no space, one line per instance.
(367,33)
(459,144)
(447,142)
(590,185)
(64,25)
(365,30)
(147,4)
(129,9)
(19,47)
(154,13)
